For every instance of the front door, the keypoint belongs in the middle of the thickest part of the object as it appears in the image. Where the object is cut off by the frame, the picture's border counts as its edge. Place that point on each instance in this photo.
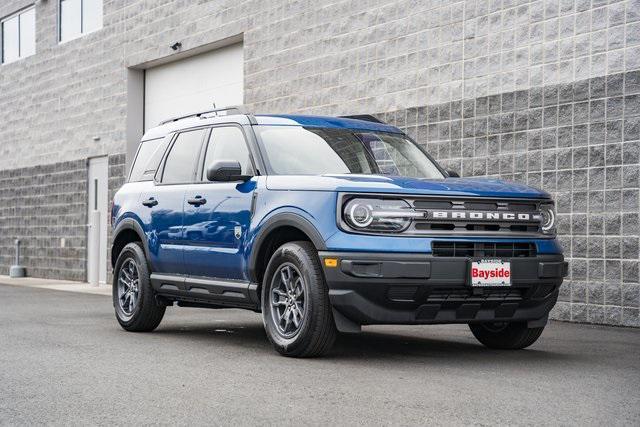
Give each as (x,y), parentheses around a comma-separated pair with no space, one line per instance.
(163,203)
(97,214)
(217,214)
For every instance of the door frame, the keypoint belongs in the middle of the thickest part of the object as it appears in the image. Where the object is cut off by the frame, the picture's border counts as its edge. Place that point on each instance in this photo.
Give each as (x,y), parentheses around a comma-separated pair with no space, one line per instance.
(93,188)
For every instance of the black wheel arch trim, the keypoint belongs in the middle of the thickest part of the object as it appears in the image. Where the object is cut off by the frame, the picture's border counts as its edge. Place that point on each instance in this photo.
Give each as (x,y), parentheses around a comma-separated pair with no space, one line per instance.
(283,220)
(131,224)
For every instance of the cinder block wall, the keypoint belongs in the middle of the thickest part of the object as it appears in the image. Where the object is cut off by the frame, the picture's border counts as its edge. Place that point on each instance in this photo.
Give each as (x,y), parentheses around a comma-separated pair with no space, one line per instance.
(543,92)
(41,205)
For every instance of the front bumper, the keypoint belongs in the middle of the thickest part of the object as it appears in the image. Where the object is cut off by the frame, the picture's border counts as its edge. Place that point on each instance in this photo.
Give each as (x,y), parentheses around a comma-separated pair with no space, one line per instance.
(384,288)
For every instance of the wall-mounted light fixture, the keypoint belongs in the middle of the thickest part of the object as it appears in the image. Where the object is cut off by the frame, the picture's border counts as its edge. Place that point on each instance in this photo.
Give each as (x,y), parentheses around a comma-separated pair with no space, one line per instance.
(176,46)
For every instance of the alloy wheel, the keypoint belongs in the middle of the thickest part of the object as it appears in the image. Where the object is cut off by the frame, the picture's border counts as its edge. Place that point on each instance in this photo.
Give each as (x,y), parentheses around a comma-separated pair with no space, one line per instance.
(288,300)
(128,287)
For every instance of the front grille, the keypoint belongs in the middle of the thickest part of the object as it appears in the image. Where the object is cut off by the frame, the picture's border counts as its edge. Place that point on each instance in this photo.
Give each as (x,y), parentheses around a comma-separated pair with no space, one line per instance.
(483,249)
(465,303)
(477,216)
(463,216)
(457,296)
(519,206)
(410,293)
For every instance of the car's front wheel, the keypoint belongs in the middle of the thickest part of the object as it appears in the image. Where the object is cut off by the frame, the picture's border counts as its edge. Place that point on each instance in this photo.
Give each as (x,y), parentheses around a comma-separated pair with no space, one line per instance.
(133,297)
(295,303)
(505,336)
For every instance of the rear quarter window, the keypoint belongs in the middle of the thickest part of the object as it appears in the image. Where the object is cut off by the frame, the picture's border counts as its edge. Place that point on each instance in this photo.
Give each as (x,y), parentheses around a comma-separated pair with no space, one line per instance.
(148,159)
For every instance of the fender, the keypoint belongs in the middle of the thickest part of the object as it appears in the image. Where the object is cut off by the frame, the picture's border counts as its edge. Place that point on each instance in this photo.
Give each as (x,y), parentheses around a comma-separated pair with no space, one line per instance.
(280,220)
(132,224)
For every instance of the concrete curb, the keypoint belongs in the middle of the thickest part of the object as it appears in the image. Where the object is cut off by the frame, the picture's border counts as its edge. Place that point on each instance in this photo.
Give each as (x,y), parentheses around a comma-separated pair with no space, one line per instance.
(56,285)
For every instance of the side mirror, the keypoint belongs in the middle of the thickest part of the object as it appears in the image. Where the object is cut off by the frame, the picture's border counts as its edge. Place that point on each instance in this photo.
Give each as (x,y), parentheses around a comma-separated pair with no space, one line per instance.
(452,174)
(226,171)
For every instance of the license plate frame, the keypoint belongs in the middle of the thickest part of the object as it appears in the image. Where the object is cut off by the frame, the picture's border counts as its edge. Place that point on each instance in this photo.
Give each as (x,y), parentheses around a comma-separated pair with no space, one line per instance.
(490,273)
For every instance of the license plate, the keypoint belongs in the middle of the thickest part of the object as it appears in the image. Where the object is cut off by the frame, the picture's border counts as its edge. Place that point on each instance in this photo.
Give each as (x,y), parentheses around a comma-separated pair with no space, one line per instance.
(490,272)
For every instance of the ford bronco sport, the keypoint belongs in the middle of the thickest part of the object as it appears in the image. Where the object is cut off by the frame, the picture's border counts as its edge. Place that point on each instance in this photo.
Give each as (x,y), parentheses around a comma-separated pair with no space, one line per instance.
(323,225)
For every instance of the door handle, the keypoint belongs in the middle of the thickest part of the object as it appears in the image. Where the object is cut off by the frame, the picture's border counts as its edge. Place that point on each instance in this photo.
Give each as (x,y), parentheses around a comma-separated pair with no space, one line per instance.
(197,201)
(150,202)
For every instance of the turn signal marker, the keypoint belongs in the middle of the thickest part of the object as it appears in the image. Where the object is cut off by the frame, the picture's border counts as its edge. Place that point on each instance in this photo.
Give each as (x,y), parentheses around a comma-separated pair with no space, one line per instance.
(331,262)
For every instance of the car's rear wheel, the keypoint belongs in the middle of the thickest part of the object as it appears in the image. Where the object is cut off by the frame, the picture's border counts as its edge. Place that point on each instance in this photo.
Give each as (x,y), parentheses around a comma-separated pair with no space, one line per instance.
(295,303)
(504,335)
(133,297)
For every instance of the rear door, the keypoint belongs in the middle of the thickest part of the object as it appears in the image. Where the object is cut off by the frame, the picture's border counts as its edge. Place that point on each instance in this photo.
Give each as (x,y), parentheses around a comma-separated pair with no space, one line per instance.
(217,214)
(162,205)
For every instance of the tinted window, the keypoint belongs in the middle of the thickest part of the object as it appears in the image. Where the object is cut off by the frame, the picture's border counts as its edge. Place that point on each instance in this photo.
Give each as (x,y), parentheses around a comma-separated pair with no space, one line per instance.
(148,159)
(228,143)
(181,161)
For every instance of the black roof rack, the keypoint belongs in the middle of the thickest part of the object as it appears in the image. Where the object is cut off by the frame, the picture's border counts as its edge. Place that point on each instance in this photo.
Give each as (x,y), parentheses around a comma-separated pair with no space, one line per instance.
(215,111)
(365,117)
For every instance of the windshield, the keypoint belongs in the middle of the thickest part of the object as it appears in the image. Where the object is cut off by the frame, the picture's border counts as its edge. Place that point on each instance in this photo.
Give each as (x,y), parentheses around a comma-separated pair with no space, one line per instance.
(296,150)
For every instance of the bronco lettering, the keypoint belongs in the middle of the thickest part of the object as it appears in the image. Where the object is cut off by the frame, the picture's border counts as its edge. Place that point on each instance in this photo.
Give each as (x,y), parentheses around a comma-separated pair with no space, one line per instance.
(487,216)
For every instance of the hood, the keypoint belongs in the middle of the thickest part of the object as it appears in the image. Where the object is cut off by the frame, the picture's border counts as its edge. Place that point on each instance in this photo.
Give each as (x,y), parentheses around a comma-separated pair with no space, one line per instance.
(479,187)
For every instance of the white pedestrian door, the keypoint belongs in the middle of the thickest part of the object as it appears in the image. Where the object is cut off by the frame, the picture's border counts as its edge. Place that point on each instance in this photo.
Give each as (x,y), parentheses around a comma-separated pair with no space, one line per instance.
(97,220)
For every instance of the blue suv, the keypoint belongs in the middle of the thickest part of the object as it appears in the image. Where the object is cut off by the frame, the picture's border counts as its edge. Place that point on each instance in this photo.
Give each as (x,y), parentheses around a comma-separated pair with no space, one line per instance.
(323,225)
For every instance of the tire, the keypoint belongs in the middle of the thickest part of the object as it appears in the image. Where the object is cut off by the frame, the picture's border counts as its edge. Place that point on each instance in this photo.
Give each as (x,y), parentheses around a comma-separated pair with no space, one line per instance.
(144,314)
(315,332)
(505,336)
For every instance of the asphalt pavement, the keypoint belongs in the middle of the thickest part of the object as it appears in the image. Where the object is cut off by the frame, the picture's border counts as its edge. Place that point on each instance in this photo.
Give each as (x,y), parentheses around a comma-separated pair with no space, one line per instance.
(65,360)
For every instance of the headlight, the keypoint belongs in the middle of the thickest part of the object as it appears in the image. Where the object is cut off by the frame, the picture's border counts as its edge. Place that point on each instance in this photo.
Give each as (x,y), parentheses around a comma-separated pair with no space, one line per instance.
(379,215)
(548,222)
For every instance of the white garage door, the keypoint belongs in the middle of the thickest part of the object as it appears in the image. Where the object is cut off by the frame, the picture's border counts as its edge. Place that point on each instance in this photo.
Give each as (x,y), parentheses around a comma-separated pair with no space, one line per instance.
(194,84)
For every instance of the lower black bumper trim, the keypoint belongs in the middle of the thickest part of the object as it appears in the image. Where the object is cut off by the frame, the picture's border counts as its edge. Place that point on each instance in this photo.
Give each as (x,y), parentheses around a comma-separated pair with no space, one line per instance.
(362,311)
(374,288)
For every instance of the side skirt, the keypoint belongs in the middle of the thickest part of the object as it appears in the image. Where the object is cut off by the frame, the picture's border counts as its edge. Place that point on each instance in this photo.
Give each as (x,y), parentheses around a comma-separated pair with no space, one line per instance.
(202,292)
